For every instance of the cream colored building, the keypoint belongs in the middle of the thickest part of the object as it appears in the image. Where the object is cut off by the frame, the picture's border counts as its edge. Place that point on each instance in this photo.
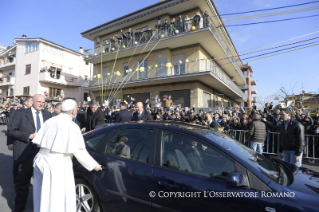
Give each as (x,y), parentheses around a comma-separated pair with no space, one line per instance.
(38,66)
(196,65)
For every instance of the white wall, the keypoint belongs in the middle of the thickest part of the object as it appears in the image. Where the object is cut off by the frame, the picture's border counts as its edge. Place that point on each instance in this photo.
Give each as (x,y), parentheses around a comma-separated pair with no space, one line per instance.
(72,64)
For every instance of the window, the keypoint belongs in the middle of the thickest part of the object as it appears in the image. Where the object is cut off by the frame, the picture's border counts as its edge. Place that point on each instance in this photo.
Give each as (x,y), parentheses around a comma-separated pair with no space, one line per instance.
(125,68)
(26,90)
(136,147)
(186,154)
(53,50)
(55,92)
(11,92)
(142,75)
(206,98)
(31,47)
(97,142)
(28,69)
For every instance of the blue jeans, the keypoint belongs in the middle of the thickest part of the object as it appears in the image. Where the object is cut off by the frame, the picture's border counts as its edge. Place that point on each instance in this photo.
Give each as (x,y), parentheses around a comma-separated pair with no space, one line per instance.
(289,157)
(257,146)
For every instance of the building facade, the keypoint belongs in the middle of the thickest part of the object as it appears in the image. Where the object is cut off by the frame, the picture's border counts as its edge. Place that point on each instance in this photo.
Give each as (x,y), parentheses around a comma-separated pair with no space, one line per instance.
(38,66)
(194,61)
(247,88)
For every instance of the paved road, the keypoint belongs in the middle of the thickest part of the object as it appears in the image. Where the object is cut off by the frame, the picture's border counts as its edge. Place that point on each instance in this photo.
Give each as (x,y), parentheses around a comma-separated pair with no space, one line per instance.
(6,182)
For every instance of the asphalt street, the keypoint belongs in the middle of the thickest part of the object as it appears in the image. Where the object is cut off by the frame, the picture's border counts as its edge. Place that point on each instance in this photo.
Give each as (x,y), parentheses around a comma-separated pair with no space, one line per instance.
(6,180)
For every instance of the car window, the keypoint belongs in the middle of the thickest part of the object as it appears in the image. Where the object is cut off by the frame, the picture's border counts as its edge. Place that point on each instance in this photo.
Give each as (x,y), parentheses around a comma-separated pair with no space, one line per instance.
(263,164)
(97,142)
(132,144)
(187,154)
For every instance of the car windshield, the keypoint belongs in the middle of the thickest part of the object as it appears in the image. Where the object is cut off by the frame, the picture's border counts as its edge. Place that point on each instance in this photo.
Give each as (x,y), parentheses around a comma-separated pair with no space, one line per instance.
(259,161)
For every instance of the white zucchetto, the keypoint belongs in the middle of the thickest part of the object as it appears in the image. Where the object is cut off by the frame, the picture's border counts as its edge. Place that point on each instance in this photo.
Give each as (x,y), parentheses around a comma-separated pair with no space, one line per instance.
(68,105)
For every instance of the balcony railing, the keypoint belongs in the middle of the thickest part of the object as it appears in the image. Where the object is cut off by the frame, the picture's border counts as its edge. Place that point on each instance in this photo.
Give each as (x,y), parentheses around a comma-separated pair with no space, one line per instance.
(7,62)
(6,81)
(169,30)
(253,82)
(63,78)
(161,71)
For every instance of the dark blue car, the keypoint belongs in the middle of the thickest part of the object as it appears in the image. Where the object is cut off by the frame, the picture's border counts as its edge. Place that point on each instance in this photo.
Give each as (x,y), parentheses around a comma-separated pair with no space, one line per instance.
(172,166)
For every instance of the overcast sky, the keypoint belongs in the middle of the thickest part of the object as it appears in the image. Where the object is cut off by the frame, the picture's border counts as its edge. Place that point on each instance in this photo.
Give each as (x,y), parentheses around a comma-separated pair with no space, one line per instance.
(62,21)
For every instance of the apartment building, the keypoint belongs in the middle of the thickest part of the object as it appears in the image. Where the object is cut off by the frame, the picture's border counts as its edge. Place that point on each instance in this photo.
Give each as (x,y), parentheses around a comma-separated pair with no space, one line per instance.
(38,66)
(247,88)
(195,62)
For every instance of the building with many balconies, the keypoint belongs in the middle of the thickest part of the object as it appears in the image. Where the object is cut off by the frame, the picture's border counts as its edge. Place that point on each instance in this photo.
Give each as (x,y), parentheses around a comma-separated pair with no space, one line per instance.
(38,66)
(194,61)
(248,89)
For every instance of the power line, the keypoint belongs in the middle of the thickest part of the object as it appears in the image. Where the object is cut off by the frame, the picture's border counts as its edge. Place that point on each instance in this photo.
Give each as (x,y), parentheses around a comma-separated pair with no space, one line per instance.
(270,14)
(264,22)
(275,8)
(270,44)
(269,48)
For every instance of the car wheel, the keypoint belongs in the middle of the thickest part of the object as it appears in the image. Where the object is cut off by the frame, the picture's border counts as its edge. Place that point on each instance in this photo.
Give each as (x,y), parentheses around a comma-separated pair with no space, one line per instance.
(86,199)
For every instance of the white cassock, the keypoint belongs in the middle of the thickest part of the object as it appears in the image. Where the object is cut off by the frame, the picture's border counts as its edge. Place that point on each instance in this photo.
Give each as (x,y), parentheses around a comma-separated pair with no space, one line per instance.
(53,186)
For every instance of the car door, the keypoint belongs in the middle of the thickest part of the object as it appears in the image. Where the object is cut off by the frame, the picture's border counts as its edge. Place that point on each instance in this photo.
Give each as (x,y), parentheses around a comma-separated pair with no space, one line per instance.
(190,175)
(125,174)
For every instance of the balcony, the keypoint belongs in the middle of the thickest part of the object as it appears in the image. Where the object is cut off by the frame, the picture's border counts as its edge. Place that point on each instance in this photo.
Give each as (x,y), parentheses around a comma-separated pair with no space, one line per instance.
(209,37)
(7,63)
(62,79)
(254,100)
(253,82)
(7,81)
(205,71)
(254,91)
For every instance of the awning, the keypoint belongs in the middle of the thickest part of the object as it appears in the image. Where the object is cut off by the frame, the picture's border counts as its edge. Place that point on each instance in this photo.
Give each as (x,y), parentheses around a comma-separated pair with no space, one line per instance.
(49,64)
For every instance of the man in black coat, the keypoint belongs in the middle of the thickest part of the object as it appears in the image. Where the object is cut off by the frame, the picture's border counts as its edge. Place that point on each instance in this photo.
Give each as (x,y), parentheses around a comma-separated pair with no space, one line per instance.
(95,117)
(124,115)
(211,122)
(141,114)
(22,128)
(80,120)
(193,154)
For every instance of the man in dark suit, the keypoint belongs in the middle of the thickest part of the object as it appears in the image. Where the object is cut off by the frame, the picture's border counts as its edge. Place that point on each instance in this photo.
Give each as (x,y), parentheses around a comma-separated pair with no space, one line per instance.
(141,114)
(80,119)
(22,128)
(211,122)
(95,117)
(194,156)
(124,115)
(57,109)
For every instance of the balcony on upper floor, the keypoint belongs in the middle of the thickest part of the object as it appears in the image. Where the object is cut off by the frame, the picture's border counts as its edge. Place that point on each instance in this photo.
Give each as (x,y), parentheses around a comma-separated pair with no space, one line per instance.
(60,78)
(174,36)
(205,71)
(253,82)
(244,87)
(254,100)
(254,91)
(7,63)
(5,81)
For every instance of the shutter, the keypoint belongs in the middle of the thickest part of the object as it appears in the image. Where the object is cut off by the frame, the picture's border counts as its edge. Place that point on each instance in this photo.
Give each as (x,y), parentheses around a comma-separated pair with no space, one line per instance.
(206,99)
(182,97)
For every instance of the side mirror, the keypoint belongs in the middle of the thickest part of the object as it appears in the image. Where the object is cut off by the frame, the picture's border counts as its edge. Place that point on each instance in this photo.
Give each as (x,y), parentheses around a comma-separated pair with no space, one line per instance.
(236,179)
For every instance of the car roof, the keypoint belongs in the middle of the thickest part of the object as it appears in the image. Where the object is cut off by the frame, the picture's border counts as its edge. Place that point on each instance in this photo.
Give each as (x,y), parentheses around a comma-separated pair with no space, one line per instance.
(158,124)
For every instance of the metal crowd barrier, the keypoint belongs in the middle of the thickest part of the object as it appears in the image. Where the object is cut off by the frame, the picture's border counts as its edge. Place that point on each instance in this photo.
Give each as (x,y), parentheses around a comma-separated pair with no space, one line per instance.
(271,144)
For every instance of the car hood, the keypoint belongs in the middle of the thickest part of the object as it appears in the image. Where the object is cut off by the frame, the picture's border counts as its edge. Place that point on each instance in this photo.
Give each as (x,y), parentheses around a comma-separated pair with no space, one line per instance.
(305,181)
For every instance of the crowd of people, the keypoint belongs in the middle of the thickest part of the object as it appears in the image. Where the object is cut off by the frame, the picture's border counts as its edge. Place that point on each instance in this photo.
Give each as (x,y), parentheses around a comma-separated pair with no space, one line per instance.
(30,126)
(162,27)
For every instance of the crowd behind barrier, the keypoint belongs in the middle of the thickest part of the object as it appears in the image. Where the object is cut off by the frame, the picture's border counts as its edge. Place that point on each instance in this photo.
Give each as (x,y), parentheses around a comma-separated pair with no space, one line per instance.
(233,121)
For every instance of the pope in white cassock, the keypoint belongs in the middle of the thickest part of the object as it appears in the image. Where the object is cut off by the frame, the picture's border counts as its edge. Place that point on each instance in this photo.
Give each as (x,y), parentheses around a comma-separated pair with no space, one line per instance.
(59,139)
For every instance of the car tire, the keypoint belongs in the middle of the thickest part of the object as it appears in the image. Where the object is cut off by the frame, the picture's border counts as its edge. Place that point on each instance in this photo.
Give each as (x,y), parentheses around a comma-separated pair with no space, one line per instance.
(86,198)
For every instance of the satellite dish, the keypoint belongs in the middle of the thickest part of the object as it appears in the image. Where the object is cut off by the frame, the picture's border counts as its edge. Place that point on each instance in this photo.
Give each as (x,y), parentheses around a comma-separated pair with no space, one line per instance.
(97,39)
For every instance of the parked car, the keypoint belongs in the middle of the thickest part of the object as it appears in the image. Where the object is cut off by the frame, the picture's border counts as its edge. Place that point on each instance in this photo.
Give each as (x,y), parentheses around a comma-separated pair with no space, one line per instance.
(173,166)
